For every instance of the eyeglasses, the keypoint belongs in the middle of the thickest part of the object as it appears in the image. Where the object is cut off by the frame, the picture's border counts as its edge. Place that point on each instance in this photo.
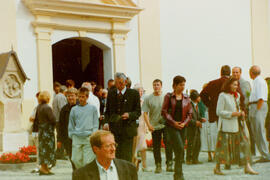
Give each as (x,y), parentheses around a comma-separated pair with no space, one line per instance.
(108,146)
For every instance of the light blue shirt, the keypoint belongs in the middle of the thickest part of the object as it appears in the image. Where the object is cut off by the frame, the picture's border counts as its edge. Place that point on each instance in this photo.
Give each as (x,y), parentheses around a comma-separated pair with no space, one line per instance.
(83,120)
(109,174)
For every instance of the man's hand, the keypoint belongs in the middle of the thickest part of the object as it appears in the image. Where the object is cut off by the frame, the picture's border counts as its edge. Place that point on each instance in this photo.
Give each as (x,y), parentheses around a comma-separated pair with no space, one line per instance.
(106,127)
(151,128)
(259,104)
(243,113)
(125,116)
(31,119)
(199,124)
(101,117)
(59,144)
(203,120)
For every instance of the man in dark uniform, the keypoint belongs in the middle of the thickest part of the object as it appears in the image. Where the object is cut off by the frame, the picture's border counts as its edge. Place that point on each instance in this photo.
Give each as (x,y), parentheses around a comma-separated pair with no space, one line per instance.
(122,110)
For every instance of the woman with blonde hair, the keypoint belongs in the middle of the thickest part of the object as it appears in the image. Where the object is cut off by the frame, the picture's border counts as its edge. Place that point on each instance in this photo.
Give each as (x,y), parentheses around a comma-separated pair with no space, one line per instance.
(141,137)
(46,125)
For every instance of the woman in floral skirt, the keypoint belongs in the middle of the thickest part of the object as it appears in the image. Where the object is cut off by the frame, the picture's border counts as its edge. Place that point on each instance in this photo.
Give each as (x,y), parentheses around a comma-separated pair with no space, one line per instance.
(232,143)
(46,125)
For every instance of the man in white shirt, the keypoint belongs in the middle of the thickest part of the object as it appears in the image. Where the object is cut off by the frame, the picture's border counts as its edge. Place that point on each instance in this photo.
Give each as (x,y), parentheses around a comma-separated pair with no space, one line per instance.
(246,89)
(105,166)
(92,99)
(258,110)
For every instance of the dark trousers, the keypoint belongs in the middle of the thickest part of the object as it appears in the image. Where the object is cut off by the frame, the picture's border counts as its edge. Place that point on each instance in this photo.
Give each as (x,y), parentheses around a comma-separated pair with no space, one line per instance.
(157,135)
(177,138)
(124,148)
(193,144)
(68,147)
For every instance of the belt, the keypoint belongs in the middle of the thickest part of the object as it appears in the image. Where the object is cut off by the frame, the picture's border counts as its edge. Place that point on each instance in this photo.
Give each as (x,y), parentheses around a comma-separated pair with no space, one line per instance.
(255,102)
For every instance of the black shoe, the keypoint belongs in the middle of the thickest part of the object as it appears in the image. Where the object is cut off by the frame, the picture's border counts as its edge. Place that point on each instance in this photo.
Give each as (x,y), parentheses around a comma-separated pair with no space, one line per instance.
(35,171)
(188,162)
(169,166)
(262,160)
(181,177)
(227,166)
(46,174)
(197,162)
(158,168)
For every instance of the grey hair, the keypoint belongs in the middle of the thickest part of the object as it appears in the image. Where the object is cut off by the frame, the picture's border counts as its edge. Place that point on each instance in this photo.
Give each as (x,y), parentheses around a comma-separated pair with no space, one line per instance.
(63,88)
(87,85)
(120,75)
(256,70)
(138,87)
(104,91)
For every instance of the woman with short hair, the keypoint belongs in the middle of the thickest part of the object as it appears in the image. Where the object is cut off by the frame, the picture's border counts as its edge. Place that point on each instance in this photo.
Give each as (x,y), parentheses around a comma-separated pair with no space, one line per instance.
(46,125)
(177,110)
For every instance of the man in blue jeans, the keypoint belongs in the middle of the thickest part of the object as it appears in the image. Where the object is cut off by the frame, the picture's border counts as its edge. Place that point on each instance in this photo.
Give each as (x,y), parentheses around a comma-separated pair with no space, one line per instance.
(156,124)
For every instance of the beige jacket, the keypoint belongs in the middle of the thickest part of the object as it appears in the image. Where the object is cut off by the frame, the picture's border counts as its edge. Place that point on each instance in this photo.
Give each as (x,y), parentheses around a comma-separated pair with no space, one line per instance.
(225,107)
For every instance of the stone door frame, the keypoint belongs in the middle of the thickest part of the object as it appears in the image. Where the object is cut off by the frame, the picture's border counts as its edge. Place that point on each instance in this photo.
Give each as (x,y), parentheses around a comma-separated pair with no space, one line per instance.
(80,17)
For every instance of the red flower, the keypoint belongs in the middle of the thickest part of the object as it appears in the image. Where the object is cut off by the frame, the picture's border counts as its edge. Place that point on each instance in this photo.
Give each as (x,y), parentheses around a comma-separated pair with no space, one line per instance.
(29,150)
(20,157)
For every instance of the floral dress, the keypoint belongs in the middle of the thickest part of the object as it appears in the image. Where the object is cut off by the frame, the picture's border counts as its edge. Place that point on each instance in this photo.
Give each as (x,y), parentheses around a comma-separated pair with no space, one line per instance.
(233,147)
(46,135)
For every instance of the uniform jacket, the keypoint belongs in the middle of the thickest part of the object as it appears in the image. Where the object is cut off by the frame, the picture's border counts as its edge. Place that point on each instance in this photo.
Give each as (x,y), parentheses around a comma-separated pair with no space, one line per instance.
(132,106)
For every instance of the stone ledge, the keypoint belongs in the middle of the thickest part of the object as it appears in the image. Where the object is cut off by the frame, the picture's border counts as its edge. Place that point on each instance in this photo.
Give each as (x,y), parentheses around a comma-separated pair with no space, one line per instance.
(16,167)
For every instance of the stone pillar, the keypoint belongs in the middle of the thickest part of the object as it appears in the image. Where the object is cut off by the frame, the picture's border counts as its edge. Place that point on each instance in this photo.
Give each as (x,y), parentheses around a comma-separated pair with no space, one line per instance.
(44,58)
(119,52)
(149,42)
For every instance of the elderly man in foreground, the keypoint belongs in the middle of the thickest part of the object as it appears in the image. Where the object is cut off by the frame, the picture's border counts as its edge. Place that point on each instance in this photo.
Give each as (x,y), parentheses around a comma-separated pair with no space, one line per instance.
(105,166)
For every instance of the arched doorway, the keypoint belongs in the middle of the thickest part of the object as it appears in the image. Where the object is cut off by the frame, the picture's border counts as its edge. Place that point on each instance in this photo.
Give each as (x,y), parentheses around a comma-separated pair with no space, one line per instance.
(79,60)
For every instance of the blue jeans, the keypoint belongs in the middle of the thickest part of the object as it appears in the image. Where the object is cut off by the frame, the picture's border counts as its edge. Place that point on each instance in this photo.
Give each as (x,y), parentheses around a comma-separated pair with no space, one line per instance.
(177,138)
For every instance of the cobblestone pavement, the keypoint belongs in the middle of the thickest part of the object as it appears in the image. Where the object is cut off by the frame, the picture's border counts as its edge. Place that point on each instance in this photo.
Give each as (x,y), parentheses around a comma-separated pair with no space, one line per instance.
(192,172)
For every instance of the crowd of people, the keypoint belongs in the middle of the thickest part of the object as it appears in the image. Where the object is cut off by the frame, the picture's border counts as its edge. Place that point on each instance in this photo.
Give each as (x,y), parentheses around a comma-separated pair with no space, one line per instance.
(103,131)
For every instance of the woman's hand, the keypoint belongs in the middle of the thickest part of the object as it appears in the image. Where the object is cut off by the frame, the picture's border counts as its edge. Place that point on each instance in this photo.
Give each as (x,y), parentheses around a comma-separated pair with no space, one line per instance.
(236,114)
(243,113)
(179,125)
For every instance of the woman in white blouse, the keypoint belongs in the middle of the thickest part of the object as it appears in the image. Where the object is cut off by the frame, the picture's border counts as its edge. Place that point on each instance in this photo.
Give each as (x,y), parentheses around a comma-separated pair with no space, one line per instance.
(232,143)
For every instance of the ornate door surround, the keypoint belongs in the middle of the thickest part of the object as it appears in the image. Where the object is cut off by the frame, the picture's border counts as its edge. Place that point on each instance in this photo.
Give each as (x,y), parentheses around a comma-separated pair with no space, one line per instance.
(83,16)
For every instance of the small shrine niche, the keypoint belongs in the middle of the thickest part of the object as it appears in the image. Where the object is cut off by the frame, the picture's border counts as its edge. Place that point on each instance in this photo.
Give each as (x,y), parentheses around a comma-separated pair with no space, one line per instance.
(12,79)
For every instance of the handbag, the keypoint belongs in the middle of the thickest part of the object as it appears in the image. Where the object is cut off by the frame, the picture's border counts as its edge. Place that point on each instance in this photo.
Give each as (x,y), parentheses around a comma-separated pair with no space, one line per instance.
(241,121)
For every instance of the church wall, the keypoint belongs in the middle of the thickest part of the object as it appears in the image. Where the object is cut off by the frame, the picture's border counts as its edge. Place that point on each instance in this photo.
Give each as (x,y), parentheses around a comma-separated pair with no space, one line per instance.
(198,37)
(8,26)
(132,52)
(27,52)
(260,35)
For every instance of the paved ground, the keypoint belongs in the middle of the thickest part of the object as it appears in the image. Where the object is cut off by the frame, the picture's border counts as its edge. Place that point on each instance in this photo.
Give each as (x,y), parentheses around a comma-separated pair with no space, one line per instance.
(192,172)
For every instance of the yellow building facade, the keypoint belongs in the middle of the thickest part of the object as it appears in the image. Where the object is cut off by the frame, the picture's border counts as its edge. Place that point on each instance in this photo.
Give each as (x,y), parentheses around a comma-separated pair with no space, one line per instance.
(130,34)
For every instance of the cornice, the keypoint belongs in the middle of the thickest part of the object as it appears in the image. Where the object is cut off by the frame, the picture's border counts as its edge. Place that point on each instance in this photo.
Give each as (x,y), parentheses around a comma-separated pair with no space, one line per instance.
(82,9)
(37,24)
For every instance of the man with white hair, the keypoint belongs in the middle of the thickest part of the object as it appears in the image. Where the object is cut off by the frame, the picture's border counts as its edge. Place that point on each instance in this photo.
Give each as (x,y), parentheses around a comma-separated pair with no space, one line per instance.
(258,110)
(92,99)
(122,110)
